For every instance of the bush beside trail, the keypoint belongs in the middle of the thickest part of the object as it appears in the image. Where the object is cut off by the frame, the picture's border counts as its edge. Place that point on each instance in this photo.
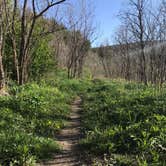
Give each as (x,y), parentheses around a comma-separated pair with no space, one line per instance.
(31,117)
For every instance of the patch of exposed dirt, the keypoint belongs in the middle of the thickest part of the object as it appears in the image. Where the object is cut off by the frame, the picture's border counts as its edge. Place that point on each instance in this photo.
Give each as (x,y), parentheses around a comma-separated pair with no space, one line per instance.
(68,139)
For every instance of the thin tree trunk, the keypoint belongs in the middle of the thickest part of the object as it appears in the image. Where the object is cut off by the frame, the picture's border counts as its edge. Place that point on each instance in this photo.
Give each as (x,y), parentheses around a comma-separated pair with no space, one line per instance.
(15,60)
(2,74)
(22,44)
(14,45)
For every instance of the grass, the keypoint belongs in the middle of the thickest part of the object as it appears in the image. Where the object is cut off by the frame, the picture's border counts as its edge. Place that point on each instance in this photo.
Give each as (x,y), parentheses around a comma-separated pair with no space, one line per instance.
(31,117)
(126,121)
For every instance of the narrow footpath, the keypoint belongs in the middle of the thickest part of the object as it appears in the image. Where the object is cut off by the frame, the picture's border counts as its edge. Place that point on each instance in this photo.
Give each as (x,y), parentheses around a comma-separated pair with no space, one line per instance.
(68,139)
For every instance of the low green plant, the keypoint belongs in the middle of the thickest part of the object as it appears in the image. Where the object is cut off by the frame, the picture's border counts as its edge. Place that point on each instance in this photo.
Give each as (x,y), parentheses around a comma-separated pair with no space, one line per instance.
(125,119)
(31,117)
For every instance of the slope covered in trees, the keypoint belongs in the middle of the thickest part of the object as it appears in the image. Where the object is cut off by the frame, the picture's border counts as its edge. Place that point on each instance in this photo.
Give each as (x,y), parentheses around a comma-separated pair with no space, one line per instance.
(138,52)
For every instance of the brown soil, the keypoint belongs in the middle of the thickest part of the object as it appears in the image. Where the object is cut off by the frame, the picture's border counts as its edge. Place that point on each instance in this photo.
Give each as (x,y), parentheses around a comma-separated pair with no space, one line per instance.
(68,139)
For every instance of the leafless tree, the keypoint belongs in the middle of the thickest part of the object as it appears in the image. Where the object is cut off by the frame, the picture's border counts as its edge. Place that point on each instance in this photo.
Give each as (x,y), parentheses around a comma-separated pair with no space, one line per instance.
(4,28)
(2,75)
(105,55)
(78,40)
(135,16)
(11,17)
(124,39)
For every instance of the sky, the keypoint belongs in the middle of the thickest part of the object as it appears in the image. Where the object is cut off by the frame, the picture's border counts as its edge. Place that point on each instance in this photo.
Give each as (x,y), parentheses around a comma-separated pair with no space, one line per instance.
(106,18)
(106,12)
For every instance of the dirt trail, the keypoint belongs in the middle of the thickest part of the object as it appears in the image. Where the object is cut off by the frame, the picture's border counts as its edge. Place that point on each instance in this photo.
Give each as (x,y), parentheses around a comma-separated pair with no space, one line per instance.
(68,140)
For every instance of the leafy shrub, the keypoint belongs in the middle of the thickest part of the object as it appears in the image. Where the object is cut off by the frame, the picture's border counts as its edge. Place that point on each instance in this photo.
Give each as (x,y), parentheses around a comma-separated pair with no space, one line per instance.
(18,147)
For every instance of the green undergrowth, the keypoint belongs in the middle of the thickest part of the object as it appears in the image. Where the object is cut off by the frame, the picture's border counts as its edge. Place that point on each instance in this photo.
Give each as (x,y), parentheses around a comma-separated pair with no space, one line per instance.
(31,117)
(126,122)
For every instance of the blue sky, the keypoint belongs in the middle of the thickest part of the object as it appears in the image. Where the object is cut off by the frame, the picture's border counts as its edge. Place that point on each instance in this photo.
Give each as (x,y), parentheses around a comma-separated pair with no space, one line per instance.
(106,12)
(105,18)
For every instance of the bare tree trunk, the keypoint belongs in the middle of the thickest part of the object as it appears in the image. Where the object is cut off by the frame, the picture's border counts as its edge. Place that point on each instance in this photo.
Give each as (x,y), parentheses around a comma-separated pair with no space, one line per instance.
(15,60)
(2,74)
(143,62)
(14,45)
(80,67)
(105,67)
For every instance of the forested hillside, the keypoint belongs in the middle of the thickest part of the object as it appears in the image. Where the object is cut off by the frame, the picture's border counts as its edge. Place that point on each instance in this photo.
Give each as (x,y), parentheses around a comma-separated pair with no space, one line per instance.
(64,102)
(138,49)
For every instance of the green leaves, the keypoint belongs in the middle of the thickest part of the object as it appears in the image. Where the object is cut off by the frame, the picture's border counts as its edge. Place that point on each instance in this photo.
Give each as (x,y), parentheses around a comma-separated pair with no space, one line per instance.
(130,119)
(30,119)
